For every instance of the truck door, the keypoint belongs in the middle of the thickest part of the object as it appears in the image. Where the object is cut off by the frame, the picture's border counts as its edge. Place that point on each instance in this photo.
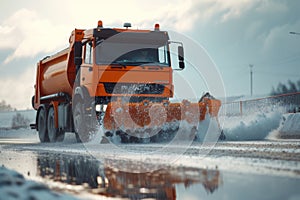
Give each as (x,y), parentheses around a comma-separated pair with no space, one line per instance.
(87,65)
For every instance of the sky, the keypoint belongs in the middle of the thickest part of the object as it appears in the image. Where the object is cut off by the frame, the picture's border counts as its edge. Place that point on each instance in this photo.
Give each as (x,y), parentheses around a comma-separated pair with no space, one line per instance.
(234,34)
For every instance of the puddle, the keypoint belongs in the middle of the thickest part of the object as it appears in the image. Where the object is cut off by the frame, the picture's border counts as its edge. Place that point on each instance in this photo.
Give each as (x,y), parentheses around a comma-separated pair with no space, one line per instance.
(77,174)
(101,179)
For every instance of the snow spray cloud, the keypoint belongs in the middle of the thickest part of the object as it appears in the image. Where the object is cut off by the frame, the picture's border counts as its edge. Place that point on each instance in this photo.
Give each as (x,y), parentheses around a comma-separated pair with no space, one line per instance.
(255,126)
(200,75)
(259,118)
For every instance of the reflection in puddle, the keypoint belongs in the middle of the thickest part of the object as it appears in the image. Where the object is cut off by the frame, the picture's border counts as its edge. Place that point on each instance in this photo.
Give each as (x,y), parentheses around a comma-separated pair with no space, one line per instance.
(100,178)
(86,177)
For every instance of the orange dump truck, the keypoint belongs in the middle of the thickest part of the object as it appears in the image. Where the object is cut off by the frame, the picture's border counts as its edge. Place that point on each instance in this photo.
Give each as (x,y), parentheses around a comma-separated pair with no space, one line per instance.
(118,78)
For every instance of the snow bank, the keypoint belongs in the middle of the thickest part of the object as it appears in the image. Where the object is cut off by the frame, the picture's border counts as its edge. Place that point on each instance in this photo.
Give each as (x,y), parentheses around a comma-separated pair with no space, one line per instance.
(6,123)
(7,117)
(25,134)
(256,126)
(14,186)
(290,126)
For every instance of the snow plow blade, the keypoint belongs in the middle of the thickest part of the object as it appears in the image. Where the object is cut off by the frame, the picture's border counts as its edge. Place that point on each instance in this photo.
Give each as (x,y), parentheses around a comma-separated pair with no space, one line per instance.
(145,116)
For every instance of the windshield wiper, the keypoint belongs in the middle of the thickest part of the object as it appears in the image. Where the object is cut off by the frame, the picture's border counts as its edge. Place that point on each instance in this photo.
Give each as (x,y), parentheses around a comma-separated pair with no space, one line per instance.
(154,63)
(123,65)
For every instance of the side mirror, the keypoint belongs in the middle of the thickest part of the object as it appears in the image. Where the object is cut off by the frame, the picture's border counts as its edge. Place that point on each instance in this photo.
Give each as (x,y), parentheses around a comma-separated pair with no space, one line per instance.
(181,65)
(180,53)
(181,57)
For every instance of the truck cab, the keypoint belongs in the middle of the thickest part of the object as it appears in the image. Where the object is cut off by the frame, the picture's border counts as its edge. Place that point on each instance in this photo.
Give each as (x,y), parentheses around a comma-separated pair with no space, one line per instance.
(123,62)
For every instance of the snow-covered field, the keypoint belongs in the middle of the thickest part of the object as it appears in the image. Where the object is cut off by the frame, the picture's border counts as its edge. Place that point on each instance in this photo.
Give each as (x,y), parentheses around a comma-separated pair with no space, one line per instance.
(7,117)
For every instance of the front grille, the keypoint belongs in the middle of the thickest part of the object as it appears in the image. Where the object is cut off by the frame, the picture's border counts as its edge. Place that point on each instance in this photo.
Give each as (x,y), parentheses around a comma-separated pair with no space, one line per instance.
(132,88)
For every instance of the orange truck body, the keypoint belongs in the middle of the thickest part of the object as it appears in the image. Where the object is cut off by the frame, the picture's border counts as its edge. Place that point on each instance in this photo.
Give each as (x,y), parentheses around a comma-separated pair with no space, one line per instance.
(78,74)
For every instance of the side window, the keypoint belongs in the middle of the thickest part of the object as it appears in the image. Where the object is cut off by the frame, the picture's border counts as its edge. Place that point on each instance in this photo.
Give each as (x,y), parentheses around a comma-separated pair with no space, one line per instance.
(162,54)
(88,53)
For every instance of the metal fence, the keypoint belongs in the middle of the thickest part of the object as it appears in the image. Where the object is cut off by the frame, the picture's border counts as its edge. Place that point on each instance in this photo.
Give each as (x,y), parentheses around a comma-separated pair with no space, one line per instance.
(285,103)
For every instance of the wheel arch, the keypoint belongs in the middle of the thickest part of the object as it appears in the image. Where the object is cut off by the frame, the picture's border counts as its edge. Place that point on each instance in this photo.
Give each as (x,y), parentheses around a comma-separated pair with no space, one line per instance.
(82,92)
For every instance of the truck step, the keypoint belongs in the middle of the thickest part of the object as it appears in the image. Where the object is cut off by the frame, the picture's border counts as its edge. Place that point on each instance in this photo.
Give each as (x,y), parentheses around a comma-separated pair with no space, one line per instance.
(32,126)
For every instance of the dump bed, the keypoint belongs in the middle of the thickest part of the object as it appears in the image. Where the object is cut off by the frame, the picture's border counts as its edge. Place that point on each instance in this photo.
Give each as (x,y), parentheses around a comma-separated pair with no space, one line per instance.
(55,74)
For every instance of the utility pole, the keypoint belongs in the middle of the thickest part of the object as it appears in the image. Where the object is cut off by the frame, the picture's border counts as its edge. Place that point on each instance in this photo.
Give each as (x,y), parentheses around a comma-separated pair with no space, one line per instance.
(251,79)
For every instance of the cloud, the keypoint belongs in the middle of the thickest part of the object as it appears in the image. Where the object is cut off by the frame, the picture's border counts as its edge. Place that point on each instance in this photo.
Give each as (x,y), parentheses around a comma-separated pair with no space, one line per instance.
(30,31)
(28,34)
(235,33)
(219,10)
(18,90)
(271,6)
(239,33)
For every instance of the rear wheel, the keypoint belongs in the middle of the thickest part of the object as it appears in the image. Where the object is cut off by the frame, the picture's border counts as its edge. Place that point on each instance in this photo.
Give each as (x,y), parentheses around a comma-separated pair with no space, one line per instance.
(53,132)
(42,125)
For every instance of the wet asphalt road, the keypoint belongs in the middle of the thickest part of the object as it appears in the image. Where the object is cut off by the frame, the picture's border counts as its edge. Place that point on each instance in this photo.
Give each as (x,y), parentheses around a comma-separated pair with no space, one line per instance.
(226,170)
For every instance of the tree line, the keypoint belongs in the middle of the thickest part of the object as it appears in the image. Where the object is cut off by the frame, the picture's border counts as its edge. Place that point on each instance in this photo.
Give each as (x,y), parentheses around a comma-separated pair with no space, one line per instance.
(5,107)
(290,87)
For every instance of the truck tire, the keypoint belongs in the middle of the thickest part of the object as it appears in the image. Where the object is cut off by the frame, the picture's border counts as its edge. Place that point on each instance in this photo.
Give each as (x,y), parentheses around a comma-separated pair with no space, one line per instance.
(53,133)
(80,125)
(42,125)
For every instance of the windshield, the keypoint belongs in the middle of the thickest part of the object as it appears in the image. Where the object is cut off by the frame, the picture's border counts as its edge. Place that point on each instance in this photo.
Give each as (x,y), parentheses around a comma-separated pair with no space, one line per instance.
(132,54)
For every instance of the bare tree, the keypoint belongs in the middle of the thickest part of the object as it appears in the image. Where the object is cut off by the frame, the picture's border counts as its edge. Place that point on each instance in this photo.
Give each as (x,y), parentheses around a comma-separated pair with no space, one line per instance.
(5,107)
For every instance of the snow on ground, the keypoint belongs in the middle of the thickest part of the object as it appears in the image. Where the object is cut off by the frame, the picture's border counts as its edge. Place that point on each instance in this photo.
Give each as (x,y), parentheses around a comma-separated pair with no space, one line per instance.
(7,117)
(289,127)
(13,185)
(24,133)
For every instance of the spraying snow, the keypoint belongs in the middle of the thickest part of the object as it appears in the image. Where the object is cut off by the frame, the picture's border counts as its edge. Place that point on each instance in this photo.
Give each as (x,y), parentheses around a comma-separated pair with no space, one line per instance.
(256,126)
(289,127)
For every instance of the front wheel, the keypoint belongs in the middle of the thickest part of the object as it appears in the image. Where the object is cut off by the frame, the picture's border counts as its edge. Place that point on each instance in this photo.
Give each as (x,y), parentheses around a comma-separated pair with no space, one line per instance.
(80,125)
